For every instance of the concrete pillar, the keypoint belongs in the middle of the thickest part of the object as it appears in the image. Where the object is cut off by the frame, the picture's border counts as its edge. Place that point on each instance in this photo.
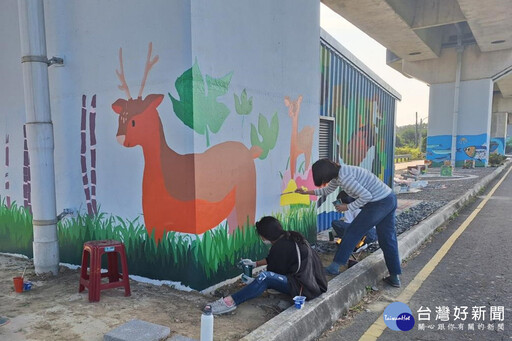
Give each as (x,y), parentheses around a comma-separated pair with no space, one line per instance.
(508,138)
(473,126)
(498,132)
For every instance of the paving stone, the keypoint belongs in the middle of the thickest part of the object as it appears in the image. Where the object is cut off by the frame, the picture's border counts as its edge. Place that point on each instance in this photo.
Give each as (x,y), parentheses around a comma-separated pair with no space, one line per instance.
(136,330)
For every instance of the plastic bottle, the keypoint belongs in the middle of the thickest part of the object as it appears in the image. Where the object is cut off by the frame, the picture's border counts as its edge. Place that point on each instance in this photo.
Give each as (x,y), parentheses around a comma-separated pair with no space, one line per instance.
(207,324)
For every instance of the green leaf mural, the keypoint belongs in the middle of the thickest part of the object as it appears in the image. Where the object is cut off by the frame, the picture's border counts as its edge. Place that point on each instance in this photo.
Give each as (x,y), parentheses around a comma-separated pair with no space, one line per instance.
(268,133)
(243,105)
(197,106)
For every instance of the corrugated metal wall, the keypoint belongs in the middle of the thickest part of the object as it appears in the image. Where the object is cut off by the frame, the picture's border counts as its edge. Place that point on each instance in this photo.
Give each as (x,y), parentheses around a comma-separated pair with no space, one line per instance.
(364,125)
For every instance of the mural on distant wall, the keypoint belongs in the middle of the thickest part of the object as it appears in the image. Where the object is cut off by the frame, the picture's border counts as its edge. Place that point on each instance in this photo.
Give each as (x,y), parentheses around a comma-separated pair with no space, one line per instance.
(364,122)
(469,147)
(497,145)
(195,193)
(508,145)
(438,149)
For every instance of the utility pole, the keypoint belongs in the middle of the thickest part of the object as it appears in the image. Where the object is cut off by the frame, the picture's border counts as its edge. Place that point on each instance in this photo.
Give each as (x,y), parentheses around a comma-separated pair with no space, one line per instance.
(416,134)
(421,135)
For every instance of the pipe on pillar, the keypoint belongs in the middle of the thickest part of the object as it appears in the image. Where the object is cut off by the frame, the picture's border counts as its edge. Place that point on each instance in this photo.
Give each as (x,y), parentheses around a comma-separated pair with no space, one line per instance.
(460,50)
(39,135)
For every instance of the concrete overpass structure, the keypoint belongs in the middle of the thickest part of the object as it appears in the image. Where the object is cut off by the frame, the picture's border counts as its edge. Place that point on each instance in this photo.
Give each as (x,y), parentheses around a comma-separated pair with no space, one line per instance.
(463,50)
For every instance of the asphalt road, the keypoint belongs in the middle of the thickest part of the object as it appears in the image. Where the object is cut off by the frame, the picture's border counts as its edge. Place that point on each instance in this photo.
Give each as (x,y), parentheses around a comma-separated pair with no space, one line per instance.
(476,273)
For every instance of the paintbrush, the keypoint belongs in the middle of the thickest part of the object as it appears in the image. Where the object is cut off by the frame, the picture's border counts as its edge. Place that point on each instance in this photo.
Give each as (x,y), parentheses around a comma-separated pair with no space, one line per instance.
(287,193)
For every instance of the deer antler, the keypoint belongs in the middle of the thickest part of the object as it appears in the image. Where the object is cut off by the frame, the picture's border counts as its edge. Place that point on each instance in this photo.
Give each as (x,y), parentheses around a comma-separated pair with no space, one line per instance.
(149,64)
(120,75)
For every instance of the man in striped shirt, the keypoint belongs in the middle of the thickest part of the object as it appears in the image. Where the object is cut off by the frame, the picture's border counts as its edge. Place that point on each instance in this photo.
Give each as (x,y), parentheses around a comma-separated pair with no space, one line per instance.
(377,203)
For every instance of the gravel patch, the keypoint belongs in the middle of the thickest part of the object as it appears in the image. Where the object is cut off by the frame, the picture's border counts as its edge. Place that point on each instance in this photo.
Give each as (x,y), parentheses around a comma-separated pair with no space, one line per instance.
(447,189)
(412,216)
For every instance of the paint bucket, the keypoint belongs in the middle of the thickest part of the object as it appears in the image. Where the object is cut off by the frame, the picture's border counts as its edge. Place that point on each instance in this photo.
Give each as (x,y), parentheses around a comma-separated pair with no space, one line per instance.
(299,301)
(18,284)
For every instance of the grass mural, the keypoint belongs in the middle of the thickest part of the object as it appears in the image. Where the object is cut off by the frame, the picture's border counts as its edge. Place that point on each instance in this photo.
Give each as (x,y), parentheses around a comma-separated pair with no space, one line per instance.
(15,229)
(198,261)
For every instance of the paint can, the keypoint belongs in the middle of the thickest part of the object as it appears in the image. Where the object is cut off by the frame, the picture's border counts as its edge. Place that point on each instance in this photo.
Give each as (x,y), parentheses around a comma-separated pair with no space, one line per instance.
(248,270)
(27,286)
(299,301)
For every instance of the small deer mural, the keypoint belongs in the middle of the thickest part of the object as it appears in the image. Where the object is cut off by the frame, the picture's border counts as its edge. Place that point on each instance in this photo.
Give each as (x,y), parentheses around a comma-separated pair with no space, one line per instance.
(301,141)
(189,193)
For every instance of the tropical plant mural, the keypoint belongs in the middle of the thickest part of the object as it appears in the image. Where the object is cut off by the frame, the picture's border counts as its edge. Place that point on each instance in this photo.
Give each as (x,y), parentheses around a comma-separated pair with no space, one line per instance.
(197,106)
(268,133)
(243,105)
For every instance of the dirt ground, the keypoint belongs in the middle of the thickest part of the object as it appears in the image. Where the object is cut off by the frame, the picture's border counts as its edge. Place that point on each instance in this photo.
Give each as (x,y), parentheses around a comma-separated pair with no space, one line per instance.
(54,310)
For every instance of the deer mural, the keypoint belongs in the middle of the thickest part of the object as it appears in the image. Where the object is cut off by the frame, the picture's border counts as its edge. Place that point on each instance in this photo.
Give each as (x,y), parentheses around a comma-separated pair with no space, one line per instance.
(301,141)
(189,193)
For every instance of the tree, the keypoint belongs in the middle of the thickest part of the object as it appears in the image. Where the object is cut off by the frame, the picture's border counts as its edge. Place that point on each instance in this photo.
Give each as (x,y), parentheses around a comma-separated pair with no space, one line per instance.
(398,141)
(408,137)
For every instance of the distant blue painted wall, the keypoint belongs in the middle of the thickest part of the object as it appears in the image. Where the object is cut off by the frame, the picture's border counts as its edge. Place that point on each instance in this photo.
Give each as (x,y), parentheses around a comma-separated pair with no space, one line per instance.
(497,145)
(469,147)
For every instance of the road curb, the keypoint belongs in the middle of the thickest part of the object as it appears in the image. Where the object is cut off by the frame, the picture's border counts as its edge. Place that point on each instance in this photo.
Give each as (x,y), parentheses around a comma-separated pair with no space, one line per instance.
(348,288)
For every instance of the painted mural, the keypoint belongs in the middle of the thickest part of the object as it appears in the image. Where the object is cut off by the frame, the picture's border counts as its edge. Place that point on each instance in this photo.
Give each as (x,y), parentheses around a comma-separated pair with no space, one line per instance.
(364,122)
(497,146)
(301,143)
(88,176)
(198,208)
(123,157)
(508,145)
(438,149)
(469,147)
(190,193)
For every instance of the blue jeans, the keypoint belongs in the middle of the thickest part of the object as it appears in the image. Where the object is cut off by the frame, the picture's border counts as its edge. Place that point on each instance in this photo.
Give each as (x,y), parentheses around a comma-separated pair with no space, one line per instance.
(380,214)
(341,226)
(265,280)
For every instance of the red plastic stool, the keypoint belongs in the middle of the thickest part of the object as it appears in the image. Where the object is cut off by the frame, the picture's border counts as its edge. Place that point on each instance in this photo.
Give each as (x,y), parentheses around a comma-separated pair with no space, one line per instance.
(93,250)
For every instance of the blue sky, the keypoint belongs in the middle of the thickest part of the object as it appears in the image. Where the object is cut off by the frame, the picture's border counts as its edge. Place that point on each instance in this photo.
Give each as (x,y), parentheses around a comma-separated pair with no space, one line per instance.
(414,93)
